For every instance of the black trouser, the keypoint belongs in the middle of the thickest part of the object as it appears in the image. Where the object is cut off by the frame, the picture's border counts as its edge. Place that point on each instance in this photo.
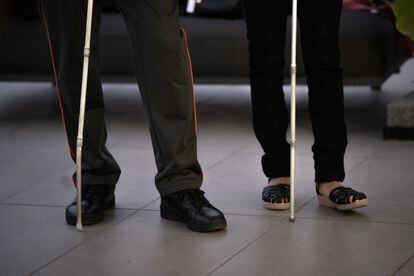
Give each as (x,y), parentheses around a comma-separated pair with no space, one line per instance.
(165,82)
(319,24)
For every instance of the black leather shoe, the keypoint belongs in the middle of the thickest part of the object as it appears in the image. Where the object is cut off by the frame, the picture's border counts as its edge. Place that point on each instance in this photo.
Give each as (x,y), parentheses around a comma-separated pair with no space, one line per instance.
(192,208)
(95,200)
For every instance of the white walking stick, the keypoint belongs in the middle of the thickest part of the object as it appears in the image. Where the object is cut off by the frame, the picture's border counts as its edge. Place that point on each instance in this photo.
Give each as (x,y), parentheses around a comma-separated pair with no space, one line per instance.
(191,4)
(79,142)
(293,111)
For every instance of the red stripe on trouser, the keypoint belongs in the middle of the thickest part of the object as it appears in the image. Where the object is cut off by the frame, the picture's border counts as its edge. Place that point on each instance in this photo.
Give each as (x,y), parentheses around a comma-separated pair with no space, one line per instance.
(55,74)
(192,82)
(191,75)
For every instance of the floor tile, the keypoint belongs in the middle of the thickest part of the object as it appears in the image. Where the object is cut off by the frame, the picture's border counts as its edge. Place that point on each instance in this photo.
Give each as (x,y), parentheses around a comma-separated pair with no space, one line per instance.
(8,127)
(26,165)
(224,136)
(22,98)
(315,247)
(144,244)
(31,236)
(38,132)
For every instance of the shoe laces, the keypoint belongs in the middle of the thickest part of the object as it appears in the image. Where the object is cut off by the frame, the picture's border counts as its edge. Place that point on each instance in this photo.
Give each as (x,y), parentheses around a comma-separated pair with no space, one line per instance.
(198,199)
(93,193)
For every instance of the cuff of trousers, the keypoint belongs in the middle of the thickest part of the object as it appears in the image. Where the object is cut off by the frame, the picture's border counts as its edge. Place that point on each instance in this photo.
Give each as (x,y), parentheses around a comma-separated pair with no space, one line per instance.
(94,179)
(331,175)
(329,168)
(178,182)
(276,165)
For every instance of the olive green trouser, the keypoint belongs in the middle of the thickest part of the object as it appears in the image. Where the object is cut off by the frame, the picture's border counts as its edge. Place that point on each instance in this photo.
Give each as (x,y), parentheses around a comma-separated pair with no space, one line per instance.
(164,76)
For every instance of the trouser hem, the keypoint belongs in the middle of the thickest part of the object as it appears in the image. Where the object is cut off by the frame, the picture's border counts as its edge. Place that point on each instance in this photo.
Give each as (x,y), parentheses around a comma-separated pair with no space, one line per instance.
(175,184)
(93,179)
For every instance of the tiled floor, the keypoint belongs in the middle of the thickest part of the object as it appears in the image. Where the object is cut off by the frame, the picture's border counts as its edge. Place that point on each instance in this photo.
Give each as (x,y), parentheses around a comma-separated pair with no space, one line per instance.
(36,186)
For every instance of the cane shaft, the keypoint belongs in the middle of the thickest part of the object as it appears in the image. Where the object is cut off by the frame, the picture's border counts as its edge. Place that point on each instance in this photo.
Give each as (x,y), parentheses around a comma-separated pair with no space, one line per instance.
(82,107)
(191,4)
(293,112)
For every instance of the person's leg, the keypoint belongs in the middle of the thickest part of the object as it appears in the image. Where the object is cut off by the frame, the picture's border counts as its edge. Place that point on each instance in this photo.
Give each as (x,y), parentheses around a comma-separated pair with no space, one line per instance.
(165,80)
(266,32)
(319,25)
(64,23)
(266,26)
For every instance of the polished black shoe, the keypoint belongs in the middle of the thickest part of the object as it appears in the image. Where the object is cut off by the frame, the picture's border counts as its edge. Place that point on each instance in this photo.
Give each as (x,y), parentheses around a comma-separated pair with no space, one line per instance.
(192,208)
(95,200)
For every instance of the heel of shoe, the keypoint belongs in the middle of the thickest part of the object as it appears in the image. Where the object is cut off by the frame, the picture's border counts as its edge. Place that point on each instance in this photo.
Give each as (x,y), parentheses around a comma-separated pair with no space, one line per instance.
(326,202)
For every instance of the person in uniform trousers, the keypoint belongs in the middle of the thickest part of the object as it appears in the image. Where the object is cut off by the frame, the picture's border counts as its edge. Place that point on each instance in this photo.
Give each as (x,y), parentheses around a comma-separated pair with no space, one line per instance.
(163,72)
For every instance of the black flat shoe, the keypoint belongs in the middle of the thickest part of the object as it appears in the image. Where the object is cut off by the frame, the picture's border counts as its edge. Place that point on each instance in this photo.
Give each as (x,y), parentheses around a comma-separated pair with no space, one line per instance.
(343,199)
(95,200)
(276,197)
(192,208)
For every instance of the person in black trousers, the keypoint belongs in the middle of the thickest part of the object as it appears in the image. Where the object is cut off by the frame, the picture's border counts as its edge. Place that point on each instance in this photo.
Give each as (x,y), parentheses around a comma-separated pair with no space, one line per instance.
(164,76)
(319,26)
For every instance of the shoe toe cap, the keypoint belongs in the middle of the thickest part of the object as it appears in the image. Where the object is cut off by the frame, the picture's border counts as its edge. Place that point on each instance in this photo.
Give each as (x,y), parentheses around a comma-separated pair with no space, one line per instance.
(208,214)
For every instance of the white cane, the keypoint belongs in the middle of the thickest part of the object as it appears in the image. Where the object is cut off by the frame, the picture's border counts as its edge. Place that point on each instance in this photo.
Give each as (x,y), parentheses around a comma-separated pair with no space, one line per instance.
(79,142)
(293,111)
(191,4)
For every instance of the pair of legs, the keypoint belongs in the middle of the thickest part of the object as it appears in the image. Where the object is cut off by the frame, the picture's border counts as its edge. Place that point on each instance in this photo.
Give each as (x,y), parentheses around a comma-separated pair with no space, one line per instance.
(319,27)
(165,80)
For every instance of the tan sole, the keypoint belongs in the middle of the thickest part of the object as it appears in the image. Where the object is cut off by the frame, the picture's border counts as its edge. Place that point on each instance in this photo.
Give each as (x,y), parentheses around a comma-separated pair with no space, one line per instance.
(326,202)
(276,206)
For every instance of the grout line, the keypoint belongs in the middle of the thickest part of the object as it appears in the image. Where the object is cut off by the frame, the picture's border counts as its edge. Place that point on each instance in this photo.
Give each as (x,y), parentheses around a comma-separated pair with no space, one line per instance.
(254,215)
(359,221)
(19,191)
(286,220)
(237,253)
(58,206)
(245,247)
(305,203)
(88,239)
(403,264)
(364,160)
(149,203)
(229,156)
(78,245)
(63,206)
(278,217)
(283,218)
(32,205)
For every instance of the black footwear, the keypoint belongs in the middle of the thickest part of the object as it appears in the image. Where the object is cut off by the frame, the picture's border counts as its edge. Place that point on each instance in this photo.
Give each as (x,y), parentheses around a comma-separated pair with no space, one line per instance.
(342,198)
(276,197)
(192,208)
(95,200)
